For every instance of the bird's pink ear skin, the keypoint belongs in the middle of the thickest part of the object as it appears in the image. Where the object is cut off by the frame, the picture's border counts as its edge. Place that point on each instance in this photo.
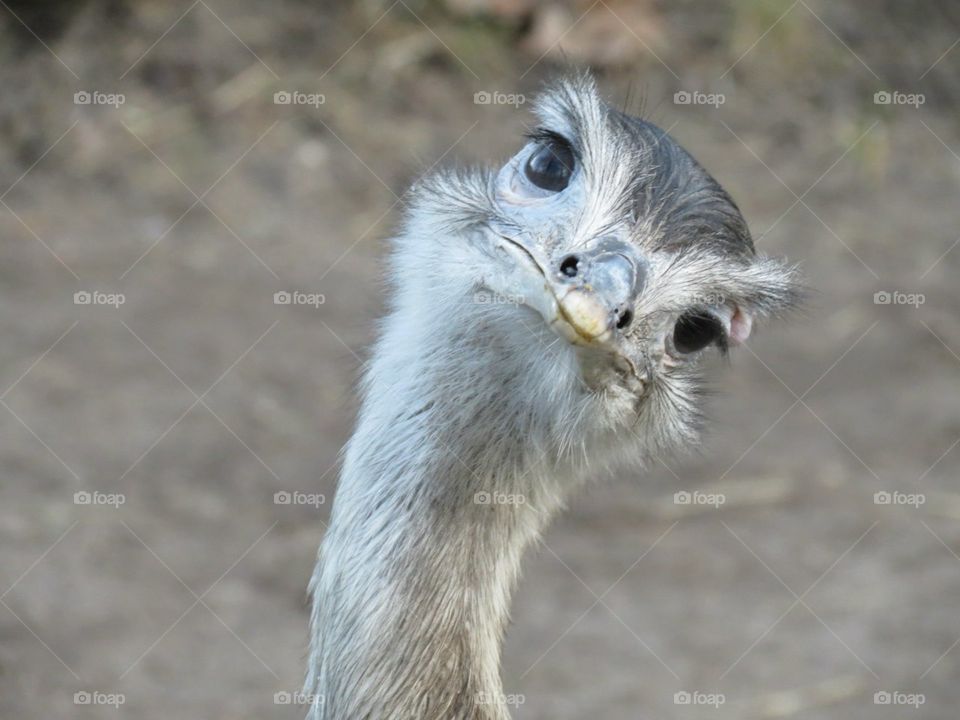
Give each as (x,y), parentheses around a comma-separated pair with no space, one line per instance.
(737,322)
(741,323)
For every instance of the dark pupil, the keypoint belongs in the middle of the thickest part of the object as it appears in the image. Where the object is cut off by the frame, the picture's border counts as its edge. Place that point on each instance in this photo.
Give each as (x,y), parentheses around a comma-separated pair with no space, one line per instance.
(550,166)
(694,331)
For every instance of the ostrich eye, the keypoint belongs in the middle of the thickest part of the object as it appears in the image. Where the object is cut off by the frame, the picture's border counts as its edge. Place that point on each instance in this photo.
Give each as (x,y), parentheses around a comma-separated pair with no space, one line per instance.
(694,331)
(551,165)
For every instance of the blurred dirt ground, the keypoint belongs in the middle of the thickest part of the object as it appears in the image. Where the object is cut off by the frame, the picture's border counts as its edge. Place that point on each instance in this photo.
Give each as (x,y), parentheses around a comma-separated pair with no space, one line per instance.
(198,198)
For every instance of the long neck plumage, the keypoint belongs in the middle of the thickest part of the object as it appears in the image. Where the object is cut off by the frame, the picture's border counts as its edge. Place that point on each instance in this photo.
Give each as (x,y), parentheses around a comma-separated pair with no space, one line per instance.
(446,480)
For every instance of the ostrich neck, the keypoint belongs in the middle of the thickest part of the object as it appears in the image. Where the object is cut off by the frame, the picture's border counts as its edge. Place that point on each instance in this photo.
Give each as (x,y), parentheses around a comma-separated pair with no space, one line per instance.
(436,503)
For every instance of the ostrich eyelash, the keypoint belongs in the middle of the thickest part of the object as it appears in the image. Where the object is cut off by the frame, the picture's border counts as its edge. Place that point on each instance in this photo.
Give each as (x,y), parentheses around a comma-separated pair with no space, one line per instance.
(545,135)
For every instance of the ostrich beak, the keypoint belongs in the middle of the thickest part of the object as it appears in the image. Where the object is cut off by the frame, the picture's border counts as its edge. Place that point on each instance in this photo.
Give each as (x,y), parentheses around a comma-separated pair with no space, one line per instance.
(587,297)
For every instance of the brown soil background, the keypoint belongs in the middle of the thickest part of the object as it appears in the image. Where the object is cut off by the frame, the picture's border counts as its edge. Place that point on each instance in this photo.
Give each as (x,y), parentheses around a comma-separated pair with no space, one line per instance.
(199,398)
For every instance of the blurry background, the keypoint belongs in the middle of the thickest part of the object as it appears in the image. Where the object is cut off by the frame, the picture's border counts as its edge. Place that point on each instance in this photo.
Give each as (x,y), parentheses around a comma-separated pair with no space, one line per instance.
(156,192)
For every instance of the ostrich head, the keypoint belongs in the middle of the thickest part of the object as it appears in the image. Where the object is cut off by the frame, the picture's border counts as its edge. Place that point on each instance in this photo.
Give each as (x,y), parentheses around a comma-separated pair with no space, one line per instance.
(604,262)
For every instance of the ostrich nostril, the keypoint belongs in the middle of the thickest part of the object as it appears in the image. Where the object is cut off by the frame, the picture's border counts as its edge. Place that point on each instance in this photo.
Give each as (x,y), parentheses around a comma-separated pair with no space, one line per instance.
(570,266)
(625,318)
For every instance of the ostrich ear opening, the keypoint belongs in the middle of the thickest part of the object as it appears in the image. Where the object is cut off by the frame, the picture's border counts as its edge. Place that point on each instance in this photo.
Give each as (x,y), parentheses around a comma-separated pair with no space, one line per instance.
(736,320)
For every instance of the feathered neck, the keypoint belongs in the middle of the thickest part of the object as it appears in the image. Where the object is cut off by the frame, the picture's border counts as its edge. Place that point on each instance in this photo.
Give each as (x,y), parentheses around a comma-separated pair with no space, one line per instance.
(447,479)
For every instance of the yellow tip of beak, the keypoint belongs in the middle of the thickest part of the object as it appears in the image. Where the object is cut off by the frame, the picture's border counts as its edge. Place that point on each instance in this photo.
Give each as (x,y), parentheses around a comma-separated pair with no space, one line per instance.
(585,313)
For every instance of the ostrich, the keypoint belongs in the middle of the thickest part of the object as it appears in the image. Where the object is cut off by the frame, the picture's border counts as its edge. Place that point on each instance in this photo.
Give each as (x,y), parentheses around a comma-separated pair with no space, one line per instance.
(546,321)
